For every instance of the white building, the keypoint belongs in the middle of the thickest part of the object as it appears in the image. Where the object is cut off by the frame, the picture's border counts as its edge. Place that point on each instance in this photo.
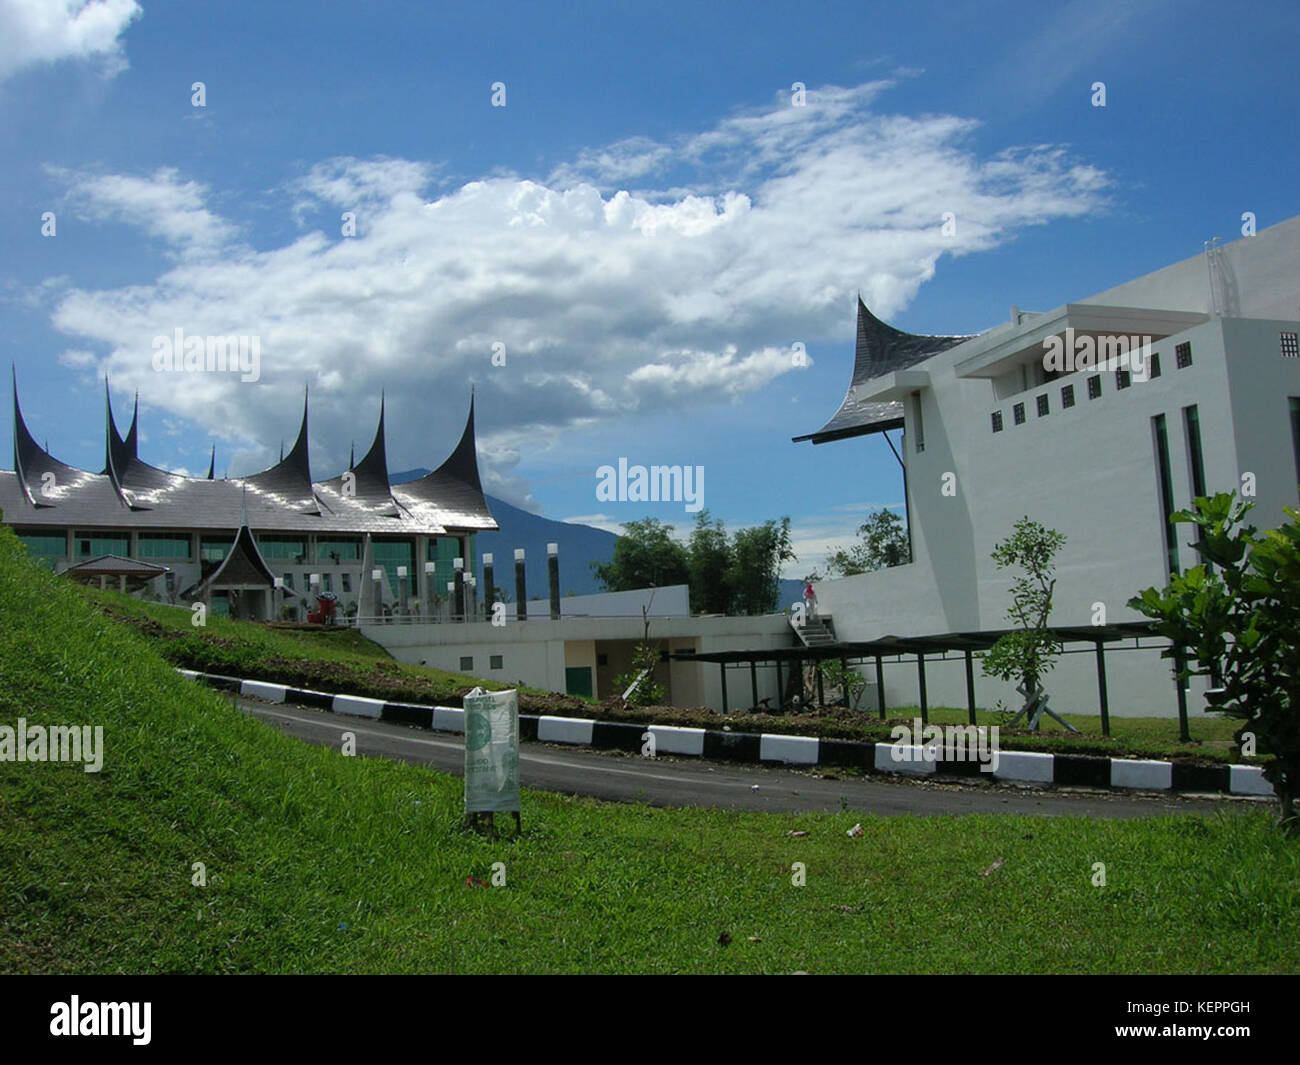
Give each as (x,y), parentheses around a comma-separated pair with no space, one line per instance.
(991,435)
(592,643)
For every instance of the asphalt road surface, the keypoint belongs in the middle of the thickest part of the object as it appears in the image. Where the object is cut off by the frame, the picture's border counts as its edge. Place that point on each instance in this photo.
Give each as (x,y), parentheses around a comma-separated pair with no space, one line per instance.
(667,781)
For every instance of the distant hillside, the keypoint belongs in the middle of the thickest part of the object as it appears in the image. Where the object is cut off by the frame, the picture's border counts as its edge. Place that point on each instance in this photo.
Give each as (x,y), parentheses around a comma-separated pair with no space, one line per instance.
(580,546)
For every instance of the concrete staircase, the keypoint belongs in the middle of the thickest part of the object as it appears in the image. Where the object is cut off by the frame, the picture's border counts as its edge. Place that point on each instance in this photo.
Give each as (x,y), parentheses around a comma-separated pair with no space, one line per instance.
(816,632)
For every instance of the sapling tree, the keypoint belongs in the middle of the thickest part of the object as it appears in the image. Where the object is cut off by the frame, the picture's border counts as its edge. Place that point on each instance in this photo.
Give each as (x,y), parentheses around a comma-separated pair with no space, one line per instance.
(645,690)
(1236,619)
(1030,651)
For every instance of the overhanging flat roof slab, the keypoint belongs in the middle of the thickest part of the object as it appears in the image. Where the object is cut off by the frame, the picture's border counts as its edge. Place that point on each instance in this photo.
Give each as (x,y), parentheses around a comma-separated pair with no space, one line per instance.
(997,356)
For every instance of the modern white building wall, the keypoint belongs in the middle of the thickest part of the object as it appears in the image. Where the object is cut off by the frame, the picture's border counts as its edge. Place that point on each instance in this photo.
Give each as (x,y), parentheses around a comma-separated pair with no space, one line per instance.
(537,652)
(1088,468)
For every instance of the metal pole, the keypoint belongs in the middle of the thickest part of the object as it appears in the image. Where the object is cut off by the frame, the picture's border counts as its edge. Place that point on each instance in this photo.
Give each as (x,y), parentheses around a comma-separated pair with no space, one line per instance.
(780,692)
(723,666)
(1103,695)
(970,687)
(821,692)
(753,681)
(1179,665)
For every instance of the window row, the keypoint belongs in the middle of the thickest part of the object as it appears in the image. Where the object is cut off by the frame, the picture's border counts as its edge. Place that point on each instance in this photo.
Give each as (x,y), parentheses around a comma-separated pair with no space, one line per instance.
(494,662)
(1123,380)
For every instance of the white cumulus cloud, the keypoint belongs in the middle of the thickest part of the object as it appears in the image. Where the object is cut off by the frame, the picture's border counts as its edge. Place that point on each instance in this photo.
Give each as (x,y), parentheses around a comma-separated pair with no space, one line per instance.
(573,301)
(35,32)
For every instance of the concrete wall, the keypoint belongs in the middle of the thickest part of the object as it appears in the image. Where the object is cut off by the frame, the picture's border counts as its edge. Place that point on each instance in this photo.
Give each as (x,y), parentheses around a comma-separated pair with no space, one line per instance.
(535,652)
(1089,471)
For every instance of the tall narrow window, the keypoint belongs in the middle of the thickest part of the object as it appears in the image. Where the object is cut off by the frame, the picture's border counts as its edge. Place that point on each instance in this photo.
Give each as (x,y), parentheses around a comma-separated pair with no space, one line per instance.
(920,425)
(1165,476)
(1295,433)
(1195,457)
(1195,462)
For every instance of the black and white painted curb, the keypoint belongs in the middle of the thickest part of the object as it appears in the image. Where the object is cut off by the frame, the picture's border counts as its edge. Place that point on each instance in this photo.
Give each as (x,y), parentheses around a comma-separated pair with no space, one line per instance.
(1018,767)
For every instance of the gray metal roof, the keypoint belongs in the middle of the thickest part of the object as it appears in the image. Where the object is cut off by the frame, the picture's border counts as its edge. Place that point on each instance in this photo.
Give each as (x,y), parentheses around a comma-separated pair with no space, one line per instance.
(131,494)
(881,349)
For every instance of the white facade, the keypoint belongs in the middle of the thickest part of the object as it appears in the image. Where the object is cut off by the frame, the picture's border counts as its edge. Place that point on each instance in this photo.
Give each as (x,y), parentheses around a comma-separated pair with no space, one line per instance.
(1089,470)
(544,654)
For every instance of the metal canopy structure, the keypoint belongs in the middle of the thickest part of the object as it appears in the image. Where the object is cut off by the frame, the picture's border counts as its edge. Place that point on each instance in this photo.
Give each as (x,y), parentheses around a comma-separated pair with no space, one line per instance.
(934,646)
(881,349)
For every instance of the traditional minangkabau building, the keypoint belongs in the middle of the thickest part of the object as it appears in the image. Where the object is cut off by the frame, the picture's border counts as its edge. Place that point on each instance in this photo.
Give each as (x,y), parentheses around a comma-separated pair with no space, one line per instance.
(262,546)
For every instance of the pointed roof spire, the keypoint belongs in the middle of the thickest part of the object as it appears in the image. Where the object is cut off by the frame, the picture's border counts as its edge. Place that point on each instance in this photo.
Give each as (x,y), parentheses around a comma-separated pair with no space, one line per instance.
(881,349)
(369,482)
(289,480)
(32,462)
(454,488)
(212,461)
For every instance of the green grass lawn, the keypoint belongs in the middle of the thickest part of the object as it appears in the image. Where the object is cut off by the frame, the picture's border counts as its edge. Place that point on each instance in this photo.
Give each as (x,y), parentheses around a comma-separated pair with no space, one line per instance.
(342,660)
(317,862)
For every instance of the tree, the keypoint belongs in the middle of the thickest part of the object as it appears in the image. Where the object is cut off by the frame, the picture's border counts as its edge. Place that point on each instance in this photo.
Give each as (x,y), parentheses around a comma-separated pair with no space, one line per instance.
(646,691)
(1238,615)
(710,561)
(757,555)
(645,556)
(882,542)
(1030,651)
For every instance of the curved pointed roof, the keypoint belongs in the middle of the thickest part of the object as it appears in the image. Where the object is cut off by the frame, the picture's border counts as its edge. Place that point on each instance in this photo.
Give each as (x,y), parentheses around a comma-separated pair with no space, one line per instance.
(881,349)
(369,481)
(43,480)
(454,488)
(288,482)
(138,484)
(129,493)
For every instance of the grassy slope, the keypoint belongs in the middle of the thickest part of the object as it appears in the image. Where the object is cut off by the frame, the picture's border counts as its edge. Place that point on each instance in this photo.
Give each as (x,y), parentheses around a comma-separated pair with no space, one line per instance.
(318,862)
(344,661)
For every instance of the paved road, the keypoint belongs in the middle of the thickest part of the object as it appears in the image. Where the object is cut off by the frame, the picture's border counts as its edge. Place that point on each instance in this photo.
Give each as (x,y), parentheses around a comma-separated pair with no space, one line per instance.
(694,782)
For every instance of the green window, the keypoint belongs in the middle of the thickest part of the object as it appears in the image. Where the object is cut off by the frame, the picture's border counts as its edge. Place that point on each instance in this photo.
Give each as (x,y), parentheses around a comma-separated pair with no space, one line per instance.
(338,550)
(443,551)
(162,545)
(1295,433)
(45,548)
(94,544)
(282,548)
(389,554)
(1165,479)
(215,548)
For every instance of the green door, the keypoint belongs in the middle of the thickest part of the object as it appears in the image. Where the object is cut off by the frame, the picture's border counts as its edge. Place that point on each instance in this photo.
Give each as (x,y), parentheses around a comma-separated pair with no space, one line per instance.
(577,680)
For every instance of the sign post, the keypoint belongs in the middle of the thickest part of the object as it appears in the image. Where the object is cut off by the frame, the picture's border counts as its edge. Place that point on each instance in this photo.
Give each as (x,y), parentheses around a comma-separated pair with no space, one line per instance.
(491,758)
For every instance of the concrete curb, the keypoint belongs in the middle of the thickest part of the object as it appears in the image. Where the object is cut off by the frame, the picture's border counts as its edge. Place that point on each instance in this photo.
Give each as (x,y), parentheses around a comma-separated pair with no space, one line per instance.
(1020,767)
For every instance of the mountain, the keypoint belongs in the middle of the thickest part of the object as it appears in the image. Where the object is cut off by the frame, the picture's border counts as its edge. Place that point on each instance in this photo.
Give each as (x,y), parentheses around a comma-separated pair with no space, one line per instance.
(580,545)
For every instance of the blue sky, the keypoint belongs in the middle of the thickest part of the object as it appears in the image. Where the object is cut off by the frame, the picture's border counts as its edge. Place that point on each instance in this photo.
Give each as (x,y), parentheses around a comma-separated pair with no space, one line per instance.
(647,225)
